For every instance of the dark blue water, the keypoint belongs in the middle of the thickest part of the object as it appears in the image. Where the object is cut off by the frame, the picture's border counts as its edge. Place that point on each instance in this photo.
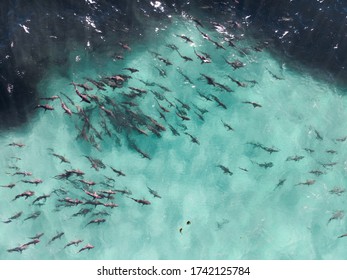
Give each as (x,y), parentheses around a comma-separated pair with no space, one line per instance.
(239,160)
(312,33)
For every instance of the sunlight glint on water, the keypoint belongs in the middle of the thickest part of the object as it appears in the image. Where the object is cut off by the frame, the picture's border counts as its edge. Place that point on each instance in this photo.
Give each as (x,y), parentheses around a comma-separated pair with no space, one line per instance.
(243,216)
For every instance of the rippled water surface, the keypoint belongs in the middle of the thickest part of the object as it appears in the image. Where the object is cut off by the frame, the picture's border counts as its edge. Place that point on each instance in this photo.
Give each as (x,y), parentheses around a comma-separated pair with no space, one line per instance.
(214,160)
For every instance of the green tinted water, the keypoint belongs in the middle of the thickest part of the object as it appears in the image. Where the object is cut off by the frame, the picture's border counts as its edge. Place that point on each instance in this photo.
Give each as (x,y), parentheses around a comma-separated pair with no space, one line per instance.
(242,216)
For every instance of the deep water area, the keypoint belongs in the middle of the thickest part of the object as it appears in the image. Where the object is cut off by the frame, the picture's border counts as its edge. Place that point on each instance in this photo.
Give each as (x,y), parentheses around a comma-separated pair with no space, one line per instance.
(170,130)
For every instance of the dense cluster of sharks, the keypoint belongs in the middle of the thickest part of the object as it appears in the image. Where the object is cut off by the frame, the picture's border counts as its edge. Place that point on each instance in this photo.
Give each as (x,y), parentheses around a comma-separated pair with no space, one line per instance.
(110,106)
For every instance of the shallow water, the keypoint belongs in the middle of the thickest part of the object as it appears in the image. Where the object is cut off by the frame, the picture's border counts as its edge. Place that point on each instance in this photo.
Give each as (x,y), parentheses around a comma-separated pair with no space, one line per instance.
(239,216)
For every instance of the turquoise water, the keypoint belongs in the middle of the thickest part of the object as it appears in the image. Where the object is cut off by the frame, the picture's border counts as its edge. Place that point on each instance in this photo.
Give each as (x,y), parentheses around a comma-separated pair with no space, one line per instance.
(238,216)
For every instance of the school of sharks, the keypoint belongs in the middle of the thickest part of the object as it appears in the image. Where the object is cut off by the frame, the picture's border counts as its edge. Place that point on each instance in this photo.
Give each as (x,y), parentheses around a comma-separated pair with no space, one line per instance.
(115,107)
